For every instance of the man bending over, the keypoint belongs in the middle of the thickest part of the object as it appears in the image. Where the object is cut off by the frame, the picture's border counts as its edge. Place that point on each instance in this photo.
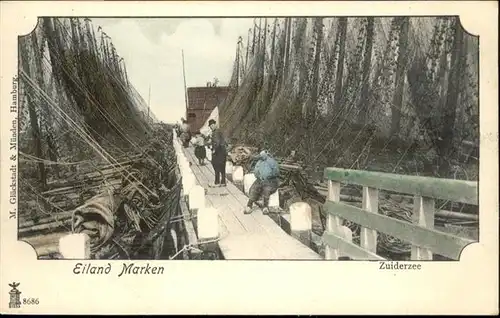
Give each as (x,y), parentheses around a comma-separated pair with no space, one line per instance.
(267,182)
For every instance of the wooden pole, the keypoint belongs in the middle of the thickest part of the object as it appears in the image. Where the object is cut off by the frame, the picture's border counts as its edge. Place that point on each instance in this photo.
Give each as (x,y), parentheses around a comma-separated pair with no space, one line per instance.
(263,65)
(259,36)
(185,87)
(253,37)
(271,75)
(288,31)
(248,45)
(238,63)
(149,100)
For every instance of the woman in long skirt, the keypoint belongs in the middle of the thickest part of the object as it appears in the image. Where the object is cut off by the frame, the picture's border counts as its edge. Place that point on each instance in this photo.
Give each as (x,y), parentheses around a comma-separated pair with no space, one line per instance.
(199,148)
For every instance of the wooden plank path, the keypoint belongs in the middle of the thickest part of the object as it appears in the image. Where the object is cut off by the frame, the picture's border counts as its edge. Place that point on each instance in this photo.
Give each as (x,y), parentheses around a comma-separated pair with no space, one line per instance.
(246,237)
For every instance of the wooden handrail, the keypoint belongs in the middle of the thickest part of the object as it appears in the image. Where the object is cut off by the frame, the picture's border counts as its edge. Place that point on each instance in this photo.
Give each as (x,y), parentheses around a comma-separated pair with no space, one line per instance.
(437,188)
(349,248)
(421,234)
(439,242)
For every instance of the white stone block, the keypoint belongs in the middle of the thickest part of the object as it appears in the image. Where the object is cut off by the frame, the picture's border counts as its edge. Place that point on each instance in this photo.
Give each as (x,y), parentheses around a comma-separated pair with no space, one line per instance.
(300,216)
(181,167)
(185,170)
(192,176)
(248,180)
(229,167)
(238,174)
(182,157)
(347,233)
(188,182)
(197,197)
(75,246)
(185,163)
(175,239)
(274,200)
(208,223)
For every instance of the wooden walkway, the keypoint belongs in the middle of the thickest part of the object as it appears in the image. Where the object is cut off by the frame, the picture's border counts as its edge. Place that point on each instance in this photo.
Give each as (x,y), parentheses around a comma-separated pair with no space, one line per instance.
(246,237)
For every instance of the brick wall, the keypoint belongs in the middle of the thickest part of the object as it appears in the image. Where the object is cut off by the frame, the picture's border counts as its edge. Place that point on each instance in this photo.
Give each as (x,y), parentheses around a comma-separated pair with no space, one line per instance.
(201,102)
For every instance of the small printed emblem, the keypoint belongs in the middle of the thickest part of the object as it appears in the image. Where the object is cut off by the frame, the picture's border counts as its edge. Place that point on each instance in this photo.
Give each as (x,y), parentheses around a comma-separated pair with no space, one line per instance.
(15,296)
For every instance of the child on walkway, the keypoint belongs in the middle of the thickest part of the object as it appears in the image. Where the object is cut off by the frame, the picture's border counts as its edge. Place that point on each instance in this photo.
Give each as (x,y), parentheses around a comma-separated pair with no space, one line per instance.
(199,148)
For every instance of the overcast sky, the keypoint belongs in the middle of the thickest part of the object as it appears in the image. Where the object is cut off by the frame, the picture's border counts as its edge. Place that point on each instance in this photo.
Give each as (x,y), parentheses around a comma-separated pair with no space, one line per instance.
(151,49)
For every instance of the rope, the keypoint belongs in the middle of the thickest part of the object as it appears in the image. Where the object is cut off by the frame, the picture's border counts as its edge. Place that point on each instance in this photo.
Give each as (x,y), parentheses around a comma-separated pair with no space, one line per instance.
(50,162)
(182,217)
(47,61)
(193,246)
(90,141)
(95,102)
(71,65)
(42,209)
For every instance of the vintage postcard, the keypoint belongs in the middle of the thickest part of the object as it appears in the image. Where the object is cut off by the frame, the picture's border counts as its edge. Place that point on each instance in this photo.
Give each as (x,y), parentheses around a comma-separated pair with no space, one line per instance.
(249,157)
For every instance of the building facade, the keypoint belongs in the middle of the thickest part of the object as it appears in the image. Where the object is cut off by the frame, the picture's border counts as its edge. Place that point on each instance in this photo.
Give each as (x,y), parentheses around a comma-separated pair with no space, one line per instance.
(201,103)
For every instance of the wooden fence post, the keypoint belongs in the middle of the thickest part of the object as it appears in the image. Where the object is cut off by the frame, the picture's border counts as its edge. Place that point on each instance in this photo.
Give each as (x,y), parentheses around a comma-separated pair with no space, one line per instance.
(301,222)
(368,237)
(423,215)
(333,223)
(75,246)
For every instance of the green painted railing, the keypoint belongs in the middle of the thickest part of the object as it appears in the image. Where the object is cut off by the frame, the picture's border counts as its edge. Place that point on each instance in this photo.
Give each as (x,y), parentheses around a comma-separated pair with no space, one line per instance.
(421,234)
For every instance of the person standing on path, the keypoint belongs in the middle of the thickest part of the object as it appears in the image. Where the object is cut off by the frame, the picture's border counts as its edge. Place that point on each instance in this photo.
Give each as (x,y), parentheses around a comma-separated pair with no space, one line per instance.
(219,154)
(185,133)
(267,175)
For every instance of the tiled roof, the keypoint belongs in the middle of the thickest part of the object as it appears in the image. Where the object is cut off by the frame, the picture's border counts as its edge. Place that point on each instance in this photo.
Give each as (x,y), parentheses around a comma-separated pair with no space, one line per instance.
(206,97)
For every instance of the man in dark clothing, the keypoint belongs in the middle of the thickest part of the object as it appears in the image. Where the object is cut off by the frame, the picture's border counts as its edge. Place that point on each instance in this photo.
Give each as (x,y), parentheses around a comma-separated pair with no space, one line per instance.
(185,133)
(219,154)
(267,174)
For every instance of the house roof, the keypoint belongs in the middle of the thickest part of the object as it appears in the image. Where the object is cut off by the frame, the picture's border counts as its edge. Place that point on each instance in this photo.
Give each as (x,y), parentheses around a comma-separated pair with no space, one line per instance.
(206,97)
